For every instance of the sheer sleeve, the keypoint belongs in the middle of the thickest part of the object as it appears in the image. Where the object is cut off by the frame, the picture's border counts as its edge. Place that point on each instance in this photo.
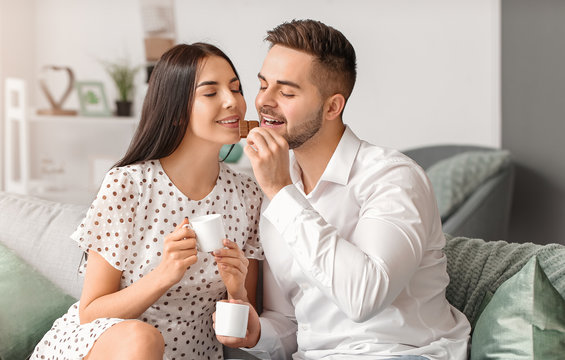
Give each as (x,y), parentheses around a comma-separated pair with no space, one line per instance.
(108,227)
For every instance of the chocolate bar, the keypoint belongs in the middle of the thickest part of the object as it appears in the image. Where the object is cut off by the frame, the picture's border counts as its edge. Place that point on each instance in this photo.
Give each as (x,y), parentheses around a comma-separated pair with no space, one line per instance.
(246,126)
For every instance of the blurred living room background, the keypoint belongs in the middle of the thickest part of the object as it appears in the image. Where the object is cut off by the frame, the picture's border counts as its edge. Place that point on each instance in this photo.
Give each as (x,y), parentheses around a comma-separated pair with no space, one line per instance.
(465,72)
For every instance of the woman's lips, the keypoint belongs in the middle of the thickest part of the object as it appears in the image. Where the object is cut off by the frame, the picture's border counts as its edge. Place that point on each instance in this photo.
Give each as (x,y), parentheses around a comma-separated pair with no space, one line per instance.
(230,121)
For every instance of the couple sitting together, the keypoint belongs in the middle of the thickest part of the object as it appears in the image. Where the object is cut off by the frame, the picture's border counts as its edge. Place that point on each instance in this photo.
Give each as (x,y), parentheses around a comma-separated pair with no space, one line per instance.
(349,231)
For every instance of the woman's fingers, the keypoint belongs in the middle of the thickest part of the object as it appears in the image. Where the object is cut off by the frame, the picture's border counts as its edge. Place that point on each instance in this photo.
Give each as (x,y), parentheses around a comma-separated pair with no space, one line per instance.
(183,223)
(232,249)
(232,256)
(182,244)
(236,273)
(184,254)
(232,262)
(181,233)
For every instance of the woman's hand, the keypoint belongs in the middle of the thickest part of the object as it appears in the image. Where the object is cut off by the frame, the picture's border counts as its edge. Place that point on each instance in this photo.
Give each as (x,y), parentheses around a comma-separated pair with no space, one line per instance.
(232,265)
(179,252)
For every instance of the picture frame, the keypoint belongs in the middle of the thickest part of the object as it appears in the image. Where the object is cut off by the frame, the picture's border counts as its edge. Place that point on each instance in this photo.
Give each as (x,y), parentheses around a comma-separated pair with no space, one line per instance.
(92,98)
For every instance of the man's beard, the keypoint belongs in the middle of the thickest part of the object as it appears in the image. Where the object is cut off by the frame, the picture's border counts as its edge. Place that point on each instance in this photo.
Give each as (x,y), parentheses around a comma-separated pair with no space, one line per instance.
(302,132)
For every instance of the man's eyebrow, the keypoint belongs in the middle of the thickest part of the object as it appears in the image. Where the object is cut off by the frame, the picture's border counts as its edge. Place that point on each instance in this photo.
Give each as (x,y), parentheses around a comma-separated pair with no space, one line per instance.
(204,83)
(281,82)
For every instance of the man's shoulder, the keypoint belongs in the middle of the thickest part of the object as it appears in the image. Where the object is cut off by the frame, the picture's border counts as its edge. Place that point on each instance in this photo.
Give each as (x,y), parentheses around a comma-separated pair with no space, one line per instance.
(378,166)
(374,157)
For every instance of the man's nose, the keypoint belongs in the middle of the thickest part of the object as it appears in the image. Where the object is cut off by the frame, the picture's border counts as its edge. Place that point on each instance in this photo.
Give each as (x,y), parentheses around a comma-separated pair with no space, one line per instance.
(265,98)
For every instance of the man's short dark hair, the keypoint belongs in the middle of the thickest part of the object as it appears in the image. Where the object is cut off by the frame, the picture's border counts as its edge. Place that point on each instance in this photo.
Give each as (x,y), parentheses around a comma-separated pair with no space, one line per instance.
(334,68)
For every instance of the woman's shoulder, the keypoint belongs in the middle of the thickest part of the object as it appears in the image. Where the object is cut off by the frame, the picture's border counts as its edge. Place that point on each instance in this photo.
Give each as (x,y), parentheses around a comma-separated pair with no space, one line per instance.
(132,178)
(138,170)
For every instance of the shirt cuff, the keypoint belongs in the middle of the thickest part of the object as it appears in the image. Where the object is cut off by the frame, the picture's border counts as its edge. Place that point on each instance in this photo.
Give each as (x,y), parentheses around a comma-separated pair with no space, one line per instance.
(285,206)
(267,339)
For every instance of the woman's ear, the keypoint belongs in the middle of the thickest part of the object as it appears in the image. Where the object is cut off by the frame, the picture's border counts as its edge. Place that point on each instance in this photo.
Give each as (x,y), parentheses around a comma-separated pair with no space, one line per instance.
(334,106)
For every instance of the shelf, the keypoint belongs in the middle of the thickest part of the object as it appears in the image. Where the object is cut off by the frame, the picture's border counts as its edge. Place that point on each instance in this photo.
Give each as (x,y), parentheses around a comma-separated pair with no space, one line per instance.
(119,120)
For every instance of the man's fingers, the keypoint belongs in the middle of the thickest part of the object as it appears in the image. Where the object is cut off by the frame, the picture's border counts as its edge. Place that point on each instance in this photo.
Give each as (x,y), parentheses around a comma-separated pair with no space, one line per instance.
(273,138)
(232,342)
(238,301)
(258,141)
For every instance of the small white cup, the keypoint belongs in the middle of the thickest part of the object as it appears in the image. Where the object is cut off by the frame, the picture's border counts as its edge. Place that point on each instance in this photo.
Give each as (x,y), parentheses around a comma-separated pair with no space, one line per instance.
(231,319)
(209,231)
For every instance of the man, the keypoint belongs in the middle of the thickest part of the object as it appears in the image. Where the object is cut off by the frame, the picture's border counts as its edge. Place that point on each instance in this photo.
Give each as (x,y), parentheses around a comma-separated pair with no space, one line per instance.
(352,236)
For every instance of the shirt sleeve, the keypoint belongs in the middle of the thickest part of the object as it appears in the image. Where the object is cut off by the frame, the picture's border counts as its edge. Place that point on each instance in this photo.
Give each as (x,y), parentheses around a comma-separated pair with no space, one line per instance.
(278,323)
(108,227)
(253,199)
(364,274)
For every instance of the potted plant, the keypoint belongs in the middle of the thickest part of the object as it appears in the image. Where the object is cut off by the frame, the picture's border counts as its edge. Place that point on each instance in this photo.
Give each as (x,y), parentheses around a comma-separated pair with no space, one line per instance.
(123,75)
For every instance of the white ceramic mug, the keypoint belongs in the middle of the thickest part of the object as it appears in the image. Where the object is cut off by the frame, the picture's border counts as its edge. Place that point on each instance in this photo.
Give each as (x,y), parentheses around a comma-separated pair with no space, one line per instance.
(231,319)
(209,231)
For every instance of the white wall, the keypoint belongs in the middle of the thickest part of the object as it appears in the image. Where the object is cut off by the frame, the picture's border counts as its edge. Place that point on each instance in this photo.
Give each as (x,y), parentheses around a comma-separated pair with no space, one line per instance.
(81,34)
(2,12)
(428,71)
(17,49)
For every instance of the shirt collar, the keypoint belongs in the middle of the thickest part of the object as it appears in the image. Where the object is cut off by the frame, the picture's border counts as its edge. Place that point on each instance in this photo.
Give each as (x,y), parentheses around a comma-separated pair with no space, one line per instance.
(340,164)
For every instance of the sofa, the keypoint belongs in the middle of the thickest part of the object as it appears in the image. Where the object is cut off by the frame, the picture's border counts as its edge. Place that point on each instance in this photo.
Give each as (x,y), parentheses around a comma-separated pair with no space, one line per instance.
(474,185)
(39,280)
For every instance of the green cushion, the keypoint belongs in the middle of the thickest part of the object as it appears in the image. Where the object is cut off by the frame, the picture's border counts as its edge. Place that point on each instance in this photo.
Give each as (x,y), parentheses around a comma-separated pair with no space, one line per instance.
(524,319)
(455,178)
(29,303)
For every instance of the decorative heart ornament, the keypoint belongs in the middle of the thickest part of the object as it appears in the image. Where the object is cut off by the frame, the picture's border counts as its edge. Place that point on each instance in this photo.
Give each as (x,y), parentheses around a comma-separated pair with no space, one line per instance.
(56,105)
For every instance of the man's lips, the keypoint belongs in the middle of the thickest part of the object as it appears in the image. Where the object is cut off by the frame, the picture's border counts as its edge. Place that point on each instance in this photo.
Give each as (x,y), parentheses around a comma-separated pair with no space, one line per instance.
(271,120)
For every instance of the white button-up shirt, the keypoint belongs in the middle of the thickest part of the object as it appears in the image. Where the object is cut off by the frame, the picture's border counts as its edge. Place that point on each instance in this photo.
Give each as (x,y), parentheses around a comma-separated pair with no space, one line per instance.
(356,267)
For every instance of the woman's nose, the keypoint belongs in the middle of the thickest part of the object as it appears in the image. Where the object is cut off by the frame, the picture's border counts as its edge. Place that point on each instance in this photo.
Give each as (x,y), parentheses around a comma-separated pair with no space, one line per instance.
(230,99)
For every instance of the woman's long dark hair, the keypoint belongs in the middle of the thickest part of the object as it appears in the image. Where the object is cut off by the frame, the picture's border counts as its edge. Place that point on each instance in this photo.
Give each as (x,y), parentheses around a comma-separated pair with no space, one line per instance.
(168,103)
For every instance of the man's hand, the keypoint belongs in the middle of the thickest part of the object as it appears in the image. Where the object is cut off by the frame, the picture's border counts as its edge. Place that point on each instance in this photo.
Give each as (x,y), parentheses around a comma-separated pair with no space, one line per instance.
(253,330)
(268,153)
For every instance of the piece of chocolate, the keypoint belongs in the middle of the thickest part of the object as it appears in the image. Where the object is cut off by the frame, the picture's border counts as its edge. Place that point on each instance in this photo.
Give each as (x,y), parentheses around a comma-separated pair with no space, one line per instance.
(246,126)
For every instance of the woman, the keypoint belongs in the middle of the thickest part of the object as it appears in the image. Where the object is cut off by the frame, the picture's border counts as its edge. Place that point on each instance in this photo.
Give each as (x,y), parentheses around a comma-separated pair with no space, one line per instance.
(147,291)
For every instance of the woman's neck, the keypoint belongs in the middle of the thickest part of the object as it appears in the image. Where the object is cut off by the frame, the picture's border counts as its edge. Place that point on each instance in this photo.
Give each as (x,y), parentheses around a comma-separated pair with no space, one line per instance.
(193,167)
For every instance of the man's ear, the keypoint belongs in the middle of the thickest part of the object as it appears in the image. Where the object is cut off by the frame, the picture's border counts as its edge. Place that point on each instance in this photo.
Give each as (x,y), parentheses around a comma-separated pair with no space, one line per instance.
(334,106)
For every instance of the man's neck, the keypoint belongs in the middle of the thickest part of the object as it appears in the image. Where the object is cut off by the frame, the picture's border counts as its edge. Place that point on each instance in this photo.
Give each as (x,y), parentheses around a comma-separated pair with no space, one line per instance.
(314,155)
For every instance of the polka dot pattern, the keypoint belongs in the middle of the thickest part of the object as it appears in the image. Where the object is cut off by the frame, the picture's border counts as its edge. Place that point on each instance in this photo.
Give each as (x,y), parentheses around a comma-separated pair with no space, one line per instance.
(136,207)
